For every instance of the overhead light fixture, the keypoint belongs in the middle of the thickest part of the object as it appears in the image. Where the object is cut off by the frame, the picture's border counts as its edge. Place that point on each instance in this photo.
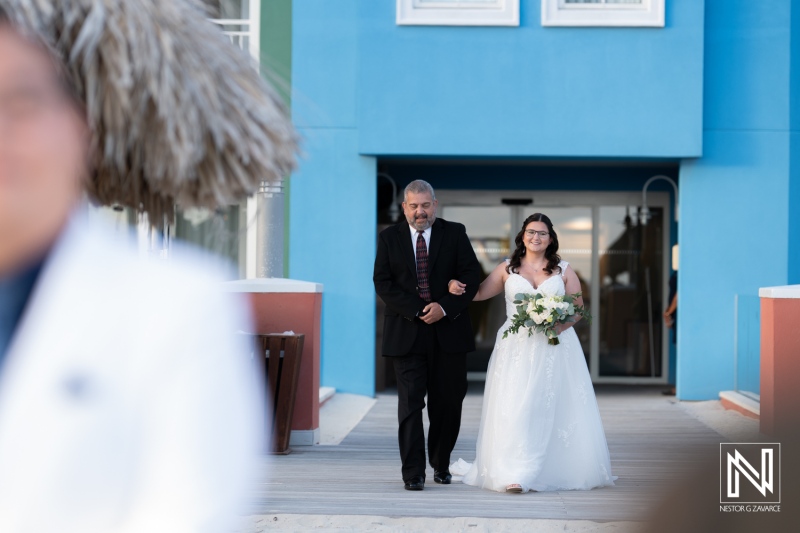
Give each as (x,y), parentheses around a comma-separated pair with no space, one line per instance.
(394,211)
(578,224)
(645,214)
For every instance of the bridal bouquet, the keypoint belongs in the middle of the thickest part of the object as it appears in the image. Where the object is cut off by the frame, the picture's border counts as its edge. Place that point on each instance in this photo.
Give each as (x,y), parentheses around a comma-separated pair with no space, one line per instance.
(542,313)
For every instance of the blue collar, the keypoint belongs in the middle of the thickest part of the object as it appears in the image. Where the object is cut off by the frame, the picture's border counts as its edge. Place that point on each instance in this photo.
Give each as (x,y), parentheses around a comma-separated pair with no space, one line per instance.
(15,291)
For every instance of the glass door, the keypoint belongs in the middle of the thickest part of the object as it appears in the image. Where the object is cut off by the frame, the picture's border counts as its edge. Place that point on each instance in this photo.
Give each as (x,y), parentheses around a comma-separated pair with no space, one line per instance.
(220,232)
(621,261)
(489,230)
(631,274)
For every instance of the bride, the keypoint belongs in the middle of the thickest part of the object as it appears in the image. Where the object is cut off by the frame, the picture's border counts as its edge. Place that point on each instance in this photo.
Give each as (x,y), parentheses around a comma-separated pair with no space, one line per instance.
(540,427)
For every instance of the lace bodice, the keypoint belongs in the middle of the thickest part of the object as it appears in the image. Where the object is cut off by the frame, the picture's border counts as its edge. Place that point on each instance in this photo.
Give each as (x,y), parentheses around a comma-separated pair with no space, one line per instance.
(515,284)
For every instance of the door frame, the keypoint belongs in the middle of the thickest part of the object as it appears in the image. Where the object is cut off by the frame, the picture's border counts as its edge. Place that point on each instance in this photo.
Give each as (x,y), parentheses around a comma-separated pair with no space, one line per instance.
(541,200)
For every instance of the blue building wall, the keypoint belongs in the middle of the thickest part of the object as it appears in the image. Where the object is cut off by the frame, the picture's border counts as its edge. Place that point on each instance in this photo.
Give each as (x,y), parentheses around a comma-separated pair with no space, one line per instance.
(362,85)
(794,192)
(715,90)
(332,214)
(794,186)
(531,90)
(737,217)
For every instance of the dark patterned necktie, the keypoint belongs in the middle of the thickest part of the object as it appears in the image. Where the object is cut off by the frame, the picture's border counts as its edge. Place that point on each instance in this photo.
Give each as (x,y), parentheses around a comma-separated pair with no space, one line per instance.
(422,268)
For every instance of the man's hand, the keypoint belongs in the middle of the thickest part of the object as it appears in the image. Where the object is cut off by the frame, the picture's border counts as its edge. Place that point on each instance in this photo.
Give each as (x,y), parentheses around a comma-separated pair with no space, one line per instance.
(431,313)
(456,287)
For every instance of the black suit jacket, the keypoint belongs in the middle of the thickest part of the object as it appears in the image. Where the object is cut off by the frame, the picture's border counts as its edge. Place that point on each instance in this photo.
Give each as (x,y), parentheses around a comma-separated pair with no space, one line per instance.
(450,256)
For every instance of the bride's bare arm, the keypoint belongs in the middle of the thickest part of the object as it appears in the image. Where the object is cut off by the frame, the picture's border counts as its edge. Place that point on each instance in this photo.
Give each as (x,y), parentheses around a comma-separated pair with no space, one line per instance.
(491,286)
(572,286)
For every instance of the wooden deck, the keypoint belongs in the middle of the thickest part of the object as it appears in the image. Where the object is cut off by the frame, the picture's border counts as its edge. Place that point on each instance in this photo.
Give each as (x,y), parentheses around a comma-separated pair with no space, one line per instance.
(651,441)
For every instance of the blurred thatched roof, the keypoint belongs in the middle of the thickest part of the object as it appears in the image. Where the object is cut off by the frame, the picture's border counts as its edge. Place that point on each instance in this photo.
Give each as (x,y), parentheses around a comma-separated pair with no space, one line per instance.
(178,113)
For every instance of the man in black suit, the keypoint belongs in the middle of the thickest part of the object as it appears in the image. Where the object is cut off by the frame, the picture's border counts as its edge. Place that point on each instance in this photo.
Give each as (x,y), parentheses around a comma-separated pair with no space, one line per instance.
(427,331)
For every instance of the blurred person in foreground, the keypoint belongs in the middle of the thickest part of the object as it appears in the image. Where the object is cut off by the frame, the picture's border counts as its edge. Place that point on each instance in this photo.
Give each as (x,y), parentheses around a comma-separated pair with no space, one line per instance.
(126,398)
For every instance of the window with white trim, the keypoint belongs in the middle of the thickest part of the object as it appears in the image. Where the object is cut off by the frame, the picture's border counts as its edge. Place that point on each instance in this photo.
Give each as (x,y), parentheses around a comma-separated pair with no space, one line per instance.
(603,13)
(239,20)
(458,12)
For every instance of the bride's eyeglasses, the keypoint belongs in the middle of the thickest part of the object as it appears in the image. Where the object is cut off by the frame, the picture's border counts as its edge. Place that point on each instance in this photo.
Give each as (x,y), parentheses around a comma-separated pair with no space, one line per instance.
(532,233)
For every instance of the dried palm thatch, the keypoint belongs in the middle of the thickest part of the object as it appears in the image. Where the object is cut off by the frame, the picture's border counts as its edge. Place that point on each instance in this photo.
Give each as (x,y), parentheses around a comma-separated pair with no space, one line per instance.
(178,113)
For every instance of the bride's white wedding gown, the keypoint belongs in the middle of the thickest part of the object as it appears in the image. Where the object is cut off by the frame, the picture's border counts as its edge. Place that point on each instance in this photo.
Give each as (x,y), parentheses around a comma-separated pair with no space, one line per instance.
(540,425)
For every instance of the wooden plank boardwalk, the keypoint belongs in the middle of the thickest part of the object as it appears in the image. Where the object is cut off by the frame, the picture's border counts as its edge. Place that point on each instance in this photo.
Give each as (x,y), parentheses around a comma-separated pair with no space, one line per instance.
(651,441)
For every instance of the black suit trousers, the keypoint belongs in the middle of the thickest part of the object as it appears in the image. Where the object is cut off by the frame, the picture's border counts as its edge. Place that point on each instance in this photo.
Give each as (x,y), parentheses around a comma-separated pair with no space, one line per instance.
(443,376)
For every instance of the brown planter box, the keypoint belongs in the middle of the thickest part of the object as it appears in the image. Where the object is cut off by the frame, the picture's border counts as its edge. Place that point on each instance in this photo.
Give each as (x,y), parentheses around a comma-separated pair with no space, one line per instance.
(280,305)
(780,359)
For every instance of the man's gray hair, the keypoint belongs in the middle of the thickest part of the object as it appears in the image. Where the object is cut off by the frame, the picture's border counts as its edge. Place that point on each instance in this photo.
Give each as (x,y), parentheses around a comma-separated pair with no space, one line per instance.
(417,187)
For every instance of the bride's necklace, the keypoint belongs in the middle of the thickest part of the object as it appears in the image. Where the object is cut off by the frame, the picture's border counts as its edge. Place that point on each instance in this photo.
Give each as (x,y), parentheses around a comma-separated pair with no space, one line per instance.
(536,270)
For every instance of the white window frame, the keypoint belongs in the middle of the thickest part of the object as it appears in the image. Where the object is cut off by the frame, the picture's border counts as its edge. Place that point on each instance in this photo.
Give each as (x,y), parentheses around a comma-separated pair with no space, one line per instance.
(650,13)
(250,28)
(455,13)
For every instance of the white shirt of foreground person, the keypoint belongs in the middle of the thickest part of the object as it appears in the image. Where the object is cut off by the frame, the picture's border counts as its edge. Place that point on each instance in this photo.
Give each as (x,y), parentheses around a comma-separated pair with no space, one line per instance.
(127,403)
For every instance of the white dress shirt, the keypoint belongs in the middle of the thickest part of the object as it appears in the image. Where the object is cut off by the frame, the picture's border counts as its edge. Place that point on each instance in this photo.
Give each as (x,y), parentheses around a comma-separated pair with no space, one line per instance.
(425,235)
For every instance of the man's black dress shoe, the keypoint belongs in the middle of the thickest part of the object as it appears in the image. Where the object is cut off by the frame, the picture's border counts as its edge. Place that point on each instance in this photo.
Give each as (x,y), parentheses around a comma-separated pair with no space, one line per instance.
(415,483)
(442,477)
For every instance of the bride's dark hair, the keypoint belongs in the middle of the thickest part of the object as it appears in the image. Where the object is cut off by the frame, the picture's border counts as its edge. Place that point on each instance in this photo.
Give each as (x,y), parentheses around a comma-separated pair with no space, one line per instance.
(551,253)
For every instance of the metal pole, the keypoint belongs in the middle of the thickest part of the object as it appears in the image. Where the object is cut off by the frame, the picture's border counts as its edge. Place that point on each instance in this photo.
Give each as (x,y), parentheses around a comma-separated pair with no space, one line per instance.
(650,324)
(269,230)
(736,342)
(645,211)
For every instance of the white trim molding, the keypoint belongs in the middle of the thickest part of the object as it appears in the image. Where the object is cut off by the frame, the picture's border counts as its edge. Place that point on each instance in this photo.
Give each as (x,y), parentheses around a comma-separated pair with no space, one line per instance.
(245,33)
(647,13)
(272,285)
(458,12)
(785,291)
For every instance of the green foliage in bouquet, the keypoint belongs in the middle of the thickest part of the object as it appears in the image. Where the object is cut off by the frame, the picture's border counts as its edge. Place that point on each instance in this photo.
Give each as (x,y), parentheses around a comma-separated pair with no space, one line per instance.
(542,313)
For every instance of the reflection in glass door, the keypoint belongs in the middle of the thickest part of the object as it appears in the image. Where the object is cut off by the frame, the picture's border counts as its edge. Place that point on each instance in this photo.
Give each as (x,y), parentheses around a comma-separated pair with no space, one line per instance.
(489,230)
(631,277)
(219,232)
